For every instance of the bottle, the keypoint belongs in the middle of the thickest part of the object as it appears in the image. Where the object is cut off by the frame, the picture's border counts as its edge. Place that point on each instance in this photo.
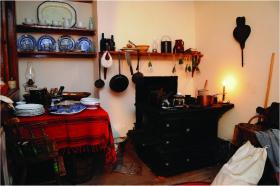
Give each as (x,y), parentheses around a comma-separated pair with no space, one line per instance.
(112,44)
(90,23)
(102,43)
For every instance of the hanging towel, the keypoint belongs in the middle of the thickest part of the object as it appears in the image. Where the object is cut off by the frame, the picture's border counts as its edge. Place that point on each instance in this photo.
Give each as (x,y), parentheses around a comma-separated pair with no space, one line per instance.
(270,138)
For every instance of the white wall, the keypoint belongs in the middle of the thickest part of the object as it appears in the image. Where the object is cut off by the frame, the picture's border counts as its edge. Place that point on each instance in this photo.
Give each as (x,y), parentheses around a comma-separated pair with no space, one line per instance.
(74,74)
(215,22)
(206,26)
(143,22)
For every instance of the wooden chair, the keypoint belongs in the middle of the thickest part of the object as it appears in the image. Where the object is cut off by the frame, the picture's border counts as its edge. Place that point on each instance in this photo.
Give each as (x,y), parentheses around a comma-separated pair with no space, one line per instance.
(28,145)
(247,132)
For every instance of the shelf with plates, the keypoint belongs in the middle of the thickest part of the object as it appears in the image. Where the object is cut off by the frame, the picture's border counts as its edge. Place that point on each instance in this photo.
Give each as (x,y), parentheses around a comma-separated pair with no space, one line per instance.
(54,30)
(45,54)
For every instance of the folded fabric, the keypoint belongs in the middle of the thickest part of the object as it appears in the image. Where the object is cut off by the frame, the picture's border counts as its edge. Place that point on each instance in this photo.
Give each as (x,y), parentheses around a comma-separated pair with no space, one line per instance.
(245,167)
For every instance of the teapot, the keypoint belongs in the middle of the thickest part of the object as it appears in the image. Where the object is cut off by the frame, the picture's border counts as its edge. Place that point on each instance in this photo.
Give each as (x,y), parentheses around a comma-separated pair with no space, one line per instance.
(179,46)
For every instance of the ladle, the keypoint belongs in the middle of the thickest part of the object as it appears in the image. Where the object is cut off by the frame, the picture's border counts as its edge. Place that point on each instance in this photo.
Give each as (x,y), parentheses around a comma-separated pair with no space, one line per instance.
(99,83)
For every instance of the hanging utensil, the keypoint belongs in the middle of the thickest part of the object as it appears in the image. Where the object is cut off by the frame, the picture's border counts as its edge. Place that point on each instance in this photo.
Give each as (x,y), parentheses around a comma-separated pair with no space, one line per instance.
(128,60)
(106,61)
(119,82)
(138,75)
(174,67)
(240,33)
(269,80)
(150,65)
(99,83)
(132,43)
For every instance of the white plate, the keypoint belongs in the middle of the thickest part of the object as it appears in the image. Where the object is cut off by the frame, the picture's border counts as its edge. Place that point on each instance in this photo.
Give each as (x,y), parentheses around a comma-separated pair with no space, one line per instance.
(30,113)
(29,106)
(90,100)
(56,11)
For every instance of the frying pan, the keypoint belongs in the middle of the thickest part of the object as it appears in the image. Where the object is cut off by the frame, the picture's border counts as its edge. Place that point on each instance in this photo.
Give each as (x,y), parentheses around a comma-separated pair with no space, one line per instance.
(138,75)
(119,82)
(99,83)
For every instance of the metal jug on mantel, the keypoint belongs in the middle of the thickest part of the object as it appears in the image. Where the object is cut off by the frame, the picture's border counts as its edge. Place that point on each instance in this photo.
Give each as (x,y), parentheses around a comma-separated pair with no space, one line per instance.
(178,46)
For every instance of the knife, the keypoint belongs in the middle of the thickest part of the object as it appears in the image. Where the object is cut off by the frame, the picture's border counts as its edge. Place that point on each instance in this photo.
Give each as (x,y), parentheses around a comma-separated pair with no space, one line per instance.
(128,60)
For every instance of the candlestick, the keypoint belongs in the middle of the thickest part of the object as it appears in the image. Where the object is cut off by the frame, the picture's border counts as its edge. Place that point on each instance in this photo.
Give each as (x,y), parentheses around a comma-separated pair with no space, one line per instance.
(224,93)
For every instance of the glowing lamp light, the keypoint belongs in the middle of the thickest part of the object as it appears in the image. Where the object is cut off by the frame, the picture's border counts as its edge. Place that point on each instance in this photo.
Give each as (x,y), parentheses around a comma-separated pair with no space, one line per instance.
(229,83)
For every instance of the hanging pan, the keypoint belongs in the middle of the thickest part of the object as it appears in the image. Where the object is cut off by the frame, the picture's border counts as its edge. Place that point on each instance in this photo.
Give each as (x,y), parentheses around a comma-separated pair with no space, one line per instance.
(119,82)
(138,75)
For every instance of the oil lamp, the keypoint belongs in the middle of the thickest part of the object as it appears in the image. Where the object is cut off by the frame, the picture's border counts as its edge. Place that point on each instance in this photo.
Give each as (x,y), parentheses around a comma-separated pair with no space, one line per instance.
(29,77)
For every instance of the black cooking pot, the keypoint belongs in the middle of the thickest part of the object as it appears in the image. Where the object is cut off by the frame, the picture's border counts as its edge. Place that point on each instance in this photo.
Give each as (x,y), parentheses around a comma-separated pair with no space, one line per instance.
(119,82)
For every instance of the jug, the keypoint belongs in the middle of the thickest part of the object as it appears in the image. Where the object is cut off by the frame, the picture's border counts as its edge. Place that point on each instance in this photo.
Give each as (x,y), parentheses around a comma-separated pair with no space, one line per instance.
(179,46)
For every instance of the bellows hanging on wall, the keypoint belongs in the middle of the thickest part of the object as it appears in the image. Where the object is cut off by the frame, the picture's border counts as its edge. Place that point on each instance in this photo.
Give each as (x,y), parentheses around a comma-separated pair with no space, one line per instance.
(241,32)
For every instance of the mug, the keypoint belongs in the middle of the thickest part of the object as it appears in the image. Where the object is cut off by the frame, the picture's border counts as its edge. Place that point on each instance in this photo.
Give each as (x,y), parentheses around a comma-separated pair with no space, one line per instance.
(28,20)
(80,24)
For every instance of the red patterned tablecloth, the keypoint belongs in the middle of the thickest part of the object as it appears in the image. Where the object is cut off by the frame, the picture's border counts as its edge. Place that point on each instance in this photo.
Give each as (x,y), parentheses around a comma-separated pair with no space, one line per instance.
(87,131)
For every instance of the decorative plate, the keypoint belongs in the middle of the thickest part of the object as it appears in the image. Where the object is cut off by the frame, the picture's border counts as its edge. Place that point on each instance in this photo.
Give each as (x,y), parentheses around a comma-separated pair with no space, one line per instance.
(46,43)
(26,43)
(85,45)
(56,11)
(67,109)
(66,43)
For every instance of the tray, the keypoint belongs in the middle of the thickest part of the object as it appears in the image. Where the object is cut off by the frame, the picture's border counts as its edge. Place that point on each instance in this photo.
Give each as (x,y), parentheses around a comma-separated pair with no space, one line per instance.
(67,109)
(55,11)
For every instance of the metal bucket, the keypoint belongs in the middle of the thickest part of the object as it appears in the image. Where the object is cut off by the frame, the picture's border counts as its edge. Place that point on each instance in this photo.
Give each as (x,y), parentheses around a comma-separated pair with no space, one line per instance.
(165,44)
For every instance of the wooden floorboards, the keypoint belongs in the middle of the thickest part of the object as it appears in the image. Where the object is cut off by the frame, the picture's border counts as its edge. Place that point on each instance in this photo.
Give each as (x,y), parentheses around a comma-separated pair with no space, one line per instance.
(146,177)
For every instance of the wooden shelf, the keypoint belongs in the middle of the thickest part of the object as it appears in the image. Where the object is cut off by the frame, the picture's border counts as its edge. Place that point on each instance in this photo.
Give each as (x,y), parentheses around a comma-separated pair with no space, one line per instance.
(44,54)
(153,54)
(53,30)
(86,1)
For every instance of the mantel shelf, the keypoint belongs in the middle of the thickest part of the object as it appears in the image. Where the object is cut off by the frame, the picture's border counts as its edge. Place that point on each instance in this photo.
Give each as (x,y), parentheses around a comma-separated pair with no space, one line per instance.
(155,54)
(44,54)
(53,30)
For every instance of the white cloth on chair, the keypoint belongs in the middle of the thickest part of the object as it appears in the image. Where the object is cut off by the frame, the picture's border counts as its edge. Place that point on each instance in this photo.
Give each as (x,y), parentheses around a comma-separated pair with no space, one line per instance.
(245,167)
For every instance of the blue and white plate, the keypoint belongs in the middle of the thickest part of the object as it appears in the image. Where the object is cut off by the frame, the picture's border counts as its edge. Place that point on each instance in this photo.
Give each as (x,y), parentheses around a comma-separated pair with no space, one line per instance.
(26,43)
(46,43)
(66,43)
(85,45)
(67,109)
